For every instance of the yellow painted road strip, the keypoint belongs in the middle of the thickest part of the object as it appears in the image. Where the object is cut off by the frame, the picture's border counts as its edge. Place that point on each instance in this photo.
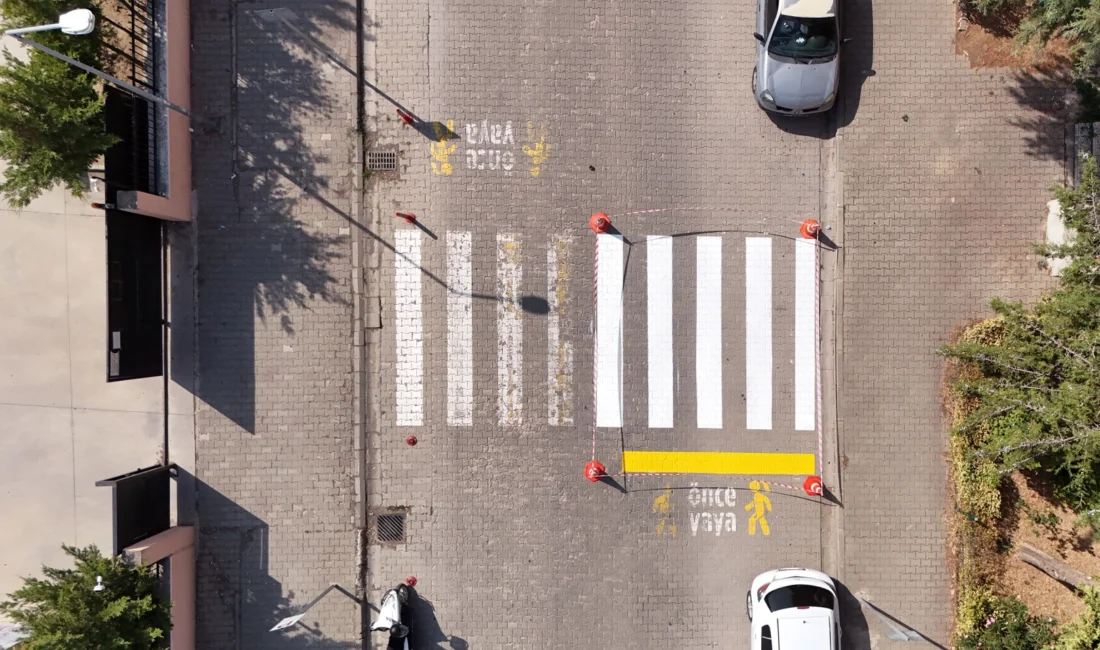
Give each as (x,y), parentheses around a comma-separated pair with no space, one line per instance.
(717,462)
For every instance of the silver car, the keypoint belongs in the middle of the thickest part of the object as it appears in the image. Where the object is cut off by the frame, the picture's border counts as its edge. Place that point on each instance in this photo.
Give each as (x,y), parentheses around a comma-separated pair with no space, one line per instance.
(797,55)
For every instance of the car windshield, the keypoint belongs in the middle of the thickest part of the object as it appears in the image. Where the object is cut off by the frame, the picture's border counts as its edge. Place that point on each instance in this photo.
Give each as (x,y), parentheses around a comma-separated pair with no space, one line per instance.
(804,38)
(798,596)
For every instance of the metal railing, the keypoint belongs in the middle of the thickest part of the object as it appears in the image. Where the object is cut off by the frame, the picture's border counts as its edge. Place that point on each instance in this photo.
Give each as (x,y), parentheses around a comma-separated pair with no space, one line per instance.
(133,166)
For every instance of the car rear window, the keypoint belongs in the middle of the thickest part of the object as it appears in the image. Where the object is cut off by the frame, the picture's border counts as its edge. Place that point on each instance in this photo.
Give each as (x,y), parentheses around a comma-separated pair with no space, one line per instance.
(798,596)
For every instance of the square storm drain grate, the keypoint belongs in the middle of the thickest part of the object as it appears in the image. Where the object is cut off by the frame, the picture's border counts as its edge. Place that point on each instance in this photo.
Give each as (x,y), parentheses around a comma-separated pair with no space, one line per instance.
(389,528)
(382,161)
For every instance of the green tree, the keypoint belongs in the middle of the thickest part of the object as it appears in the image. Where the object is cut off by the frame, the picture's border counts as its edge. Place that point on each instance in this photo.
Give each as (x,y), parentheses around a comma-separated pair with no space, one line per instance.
(62,611)
(1078,21)
(51,113)
(1038,380)
(1084,632)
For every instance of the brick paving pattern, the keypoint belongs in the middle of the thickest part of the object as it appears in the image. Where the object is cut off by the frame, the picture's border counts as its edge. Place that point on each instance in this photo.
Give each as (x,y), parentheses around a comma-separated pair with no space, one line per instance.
(276,493)
(640,110)
(946,177)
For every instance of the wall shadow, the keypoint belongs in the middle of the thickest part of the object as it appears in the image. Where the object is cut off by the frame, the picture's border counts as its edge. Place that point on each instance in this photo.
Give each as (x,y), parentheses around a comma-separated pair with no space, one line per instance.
(261,181)
(237,601)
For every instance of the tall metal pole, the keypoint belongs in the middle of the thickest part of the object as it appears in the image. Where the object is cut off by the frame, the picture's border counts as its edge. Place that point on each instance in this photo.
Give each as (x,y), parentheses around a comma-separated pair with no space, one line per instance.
(102,75)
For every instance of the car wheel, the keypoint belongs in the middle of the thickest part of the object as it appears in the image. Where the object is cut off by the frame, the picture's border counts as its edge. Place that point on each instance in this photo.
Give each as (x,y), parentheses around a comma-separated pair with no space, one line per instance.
(748,604)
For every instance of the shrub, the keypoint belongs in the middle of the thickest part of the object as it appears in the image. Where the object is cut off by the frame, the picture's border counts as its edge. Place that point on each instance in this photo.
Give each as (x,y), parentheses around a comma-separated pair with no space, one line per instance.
(1003,624)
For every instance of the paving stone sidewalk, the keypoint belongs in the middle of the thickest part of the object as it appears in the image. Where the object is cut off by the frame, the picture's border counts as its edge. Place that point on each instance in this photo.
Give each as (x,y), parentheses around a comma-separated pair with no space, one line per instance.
(275,468)
(946,177)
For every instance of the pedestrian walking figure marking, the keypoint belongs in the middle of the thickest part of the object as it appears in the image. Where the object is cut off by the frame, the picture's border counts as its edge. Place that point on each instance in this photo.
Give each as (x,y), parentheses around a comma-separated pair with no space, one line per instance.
(761,505)
(662,506)
(441,150)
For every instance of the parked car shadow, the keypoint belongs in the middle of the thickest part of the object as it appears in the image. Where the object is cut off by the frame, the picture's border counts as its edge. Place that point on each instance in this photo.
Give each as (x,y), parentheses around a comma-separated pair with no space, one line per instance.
(853,624)
(857,59)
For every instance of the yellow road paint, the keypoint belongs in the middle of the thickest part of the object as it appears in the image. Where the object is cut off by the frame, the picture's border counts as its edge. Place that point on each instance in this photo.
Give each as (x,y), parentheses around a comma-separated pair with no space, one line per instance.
(718,462)
(662,506)
(760,506)
(539,150)
(441,150)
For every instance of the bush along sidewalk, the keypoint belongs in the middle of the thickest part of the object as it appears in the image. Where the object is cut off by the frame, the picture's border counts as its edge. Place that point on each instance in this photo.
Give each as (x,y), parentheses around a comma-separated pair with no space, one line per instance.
(1024,395)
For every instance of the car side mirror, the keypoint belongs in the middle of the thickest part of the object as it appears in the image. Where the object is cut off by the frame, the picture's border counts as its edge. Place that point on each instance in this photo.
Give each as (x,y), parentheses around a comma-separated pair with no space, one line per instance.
(758,37)
(845,41)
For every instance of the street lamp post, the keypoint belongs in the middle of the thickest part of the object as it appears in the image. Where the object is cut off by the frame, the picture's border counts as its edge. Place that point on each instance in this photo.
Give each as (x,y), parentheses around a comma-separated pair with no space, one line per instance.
(77,23)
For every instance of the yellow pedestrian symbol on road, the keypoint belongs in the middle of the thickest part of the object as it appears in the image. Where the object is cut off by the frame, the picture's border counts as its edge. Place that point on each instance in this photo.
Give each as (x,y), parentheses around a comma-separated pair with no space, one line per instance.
(761,505)
(441,150)
(662,506)
(539,150)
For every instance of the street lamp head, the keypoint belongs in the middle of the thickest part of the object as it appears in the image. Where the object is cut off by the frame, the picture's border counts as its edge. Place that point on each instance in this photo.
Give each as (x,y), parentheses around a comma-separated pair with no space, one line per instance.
(77,22)
(98,584)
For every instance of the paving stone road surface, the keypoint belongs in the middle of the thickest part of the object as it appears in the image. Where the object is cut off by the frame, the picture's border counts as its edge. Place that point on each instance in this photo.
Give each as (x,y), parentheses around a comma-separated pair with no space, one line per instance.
(489,333)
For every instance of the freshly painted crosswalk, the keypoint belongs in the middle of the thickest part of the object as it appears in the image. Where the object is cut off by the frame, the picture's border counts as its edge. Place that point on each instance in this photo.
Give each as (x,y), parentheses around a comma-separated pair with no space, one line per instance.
(659,322)
(667,310)
(609,331)
(708,332)
(758,333)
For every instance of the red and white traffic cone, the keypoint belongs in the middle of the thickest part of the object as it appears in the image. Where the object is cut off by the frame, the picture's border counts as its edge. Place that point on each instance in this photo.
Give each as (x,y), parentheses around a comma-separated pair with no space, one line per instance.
(594,471)
(599,223)
(809,229)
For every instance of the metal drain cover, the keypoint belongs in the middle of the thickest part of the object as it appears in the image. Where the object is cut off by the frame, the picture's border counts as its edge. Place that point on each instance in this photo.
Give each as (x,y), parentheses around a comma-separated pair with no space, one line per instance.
(390,528)
(382,161)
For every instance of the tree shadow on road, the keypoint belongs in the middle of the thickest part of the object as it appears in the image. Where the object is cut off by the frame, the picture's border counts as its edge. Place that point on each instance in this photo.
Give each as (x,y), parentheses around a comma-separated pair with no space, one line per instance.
(270,187)
(237,600)
(1050,99)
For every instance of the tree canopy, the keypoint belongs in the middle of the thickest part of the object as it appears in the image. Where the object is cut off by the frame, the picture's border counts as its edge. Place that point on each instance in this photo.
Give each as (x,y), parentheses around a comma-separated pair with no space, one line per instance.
(51,113)
(62,610)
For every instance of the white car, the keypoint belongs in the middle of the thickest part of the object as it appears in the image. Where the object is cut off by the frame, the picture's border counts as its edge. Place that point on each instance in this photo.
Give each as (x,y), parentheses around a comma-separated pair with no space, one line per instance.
(794,609)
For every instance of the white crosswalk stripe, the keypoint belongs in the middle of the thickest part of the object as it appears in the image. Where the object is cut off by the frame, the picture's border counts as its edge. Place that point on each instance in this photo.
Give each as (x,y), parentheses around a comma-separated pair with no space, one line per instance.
(509,330)
(708,332)
(609,331)
(805,329)
(612,326)
(758,333)
(559,366)
(460,331)
(410,329)
(659,322)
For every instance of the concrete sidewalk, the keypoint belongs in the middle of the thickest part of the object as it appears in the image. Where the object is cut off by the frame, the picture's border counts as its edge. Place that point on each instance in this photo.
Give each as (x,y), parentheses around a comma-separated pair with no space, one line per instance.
(65,426)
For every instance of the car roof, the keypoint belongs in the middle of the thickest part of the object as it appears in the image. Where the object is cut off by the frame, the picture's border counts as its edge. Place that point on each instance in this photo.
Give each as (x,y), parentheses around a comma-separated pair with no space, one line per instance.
(808,631)
(809,8)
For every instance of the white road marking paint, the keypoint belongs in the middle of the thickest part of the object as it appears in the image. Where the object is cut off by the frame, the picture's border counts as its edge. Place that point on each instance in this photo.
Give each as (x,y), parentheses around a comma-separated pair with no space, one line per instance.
(758,332)
(708,332)
(460,351)
(805,371)
(609,331)
(509,330)
(559,368)
(659,305)
(409,329)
